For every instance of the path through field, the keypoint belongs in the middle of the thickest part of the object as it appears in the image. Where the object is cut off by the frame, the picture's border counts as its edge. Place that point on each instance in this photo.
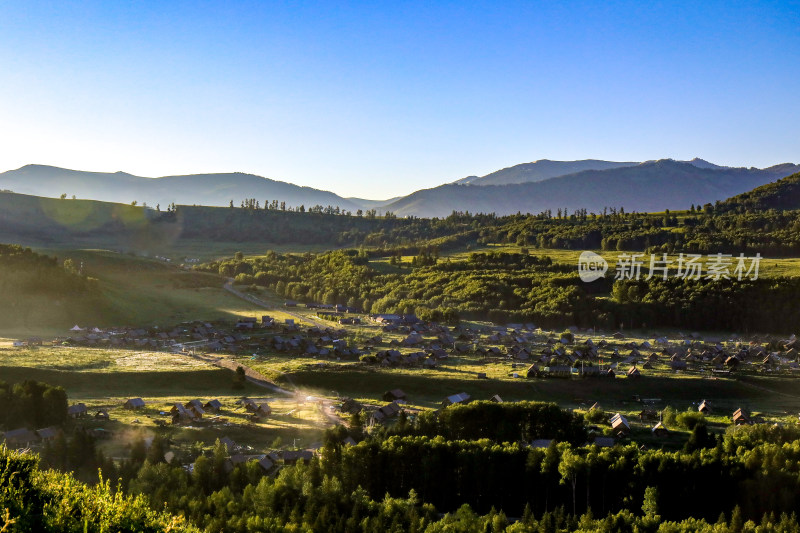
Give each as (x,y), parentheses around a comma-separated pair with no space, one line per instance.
(260,380)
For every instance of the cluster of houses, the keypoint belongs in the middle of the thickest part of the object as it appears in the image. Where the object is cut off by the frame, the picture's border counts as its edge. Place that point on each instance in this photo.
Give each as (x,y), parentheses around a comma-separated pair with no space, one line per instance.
(426,344)
(193,410)
(565,357)
(230,337)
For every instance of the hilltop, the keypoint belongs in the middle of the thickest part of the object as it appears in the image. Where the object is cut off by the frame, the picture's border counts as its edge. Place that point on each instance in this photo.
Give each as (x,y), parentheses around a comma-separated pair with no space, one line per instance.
(539,171)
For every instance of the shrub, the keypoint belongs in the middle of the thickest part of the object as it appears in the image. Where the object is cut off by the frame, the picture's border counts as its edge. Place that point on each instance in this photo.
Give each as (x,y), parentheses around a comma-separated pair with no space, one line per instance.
(690,419)
(595,416)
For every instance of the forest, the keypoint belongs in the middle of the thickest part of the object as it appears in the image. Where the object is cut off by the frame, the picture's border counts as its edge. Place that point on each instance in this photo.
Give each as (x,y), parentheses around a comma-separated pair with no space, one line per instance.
(411,478)
(32,403)
(24,271)
(516,287)
(736,225)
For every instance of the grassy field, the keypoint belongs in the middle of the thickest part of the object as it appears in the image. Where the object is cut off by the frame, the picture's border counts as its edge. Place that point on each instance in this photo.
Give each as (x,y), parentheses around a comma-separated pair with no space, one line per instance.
(105,379)
(768,267)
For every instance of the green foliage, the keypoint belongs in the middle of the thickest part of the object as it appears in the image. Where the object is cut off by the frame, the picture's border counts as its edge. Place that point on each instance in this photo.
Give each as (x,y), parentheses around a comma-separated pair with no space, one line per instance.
(497,286)
(36,286)
(403,483)
(32,403)
(596,416)
(501,422)
(690,419)
(765,304)
(49,501)
(699,439)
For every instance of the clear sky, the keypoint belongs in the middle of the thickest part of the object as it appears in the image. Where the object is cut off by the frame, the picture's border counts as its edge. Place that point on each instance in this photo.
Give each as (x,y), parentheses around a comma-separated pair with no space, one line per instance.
(379,99)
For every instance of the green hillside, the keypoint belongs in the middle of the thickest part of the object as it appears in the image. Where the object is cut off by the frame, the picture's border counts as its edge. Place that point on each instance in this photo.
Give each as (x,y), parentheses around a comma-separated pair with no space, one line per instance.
(782,194)
(102,288)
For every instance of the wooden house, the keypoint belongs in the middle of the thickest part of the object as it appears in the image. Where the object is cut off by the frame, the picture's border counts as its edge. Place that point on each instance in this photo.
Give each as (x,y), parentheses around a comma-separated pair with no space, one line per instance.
(619,424)
(213,406)
(393,395)
(134,403)
(741,417)
(461,397)
(79,410)
(20,438)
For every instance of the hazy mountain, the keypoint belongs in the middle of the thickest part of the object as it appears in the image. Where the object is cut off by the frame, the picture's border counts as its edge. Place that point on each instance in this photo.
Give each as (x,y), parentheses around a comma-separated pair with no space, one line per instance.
(373,204)
(545,169)
(650,186)
(540,170)
(199,189)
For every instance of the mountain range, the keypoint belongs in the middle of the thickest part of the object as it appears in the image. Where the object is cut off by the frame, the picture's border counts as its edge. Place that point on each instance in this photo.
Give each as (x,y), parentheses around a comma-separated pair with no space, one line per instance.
(194,189)
(526,188)
(648,186)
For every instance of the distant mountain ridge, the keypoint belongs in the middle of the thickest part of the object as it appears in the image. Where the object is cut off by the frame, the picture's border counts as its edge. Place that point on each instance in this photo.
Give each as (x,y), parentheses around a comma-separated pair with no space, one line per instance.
(649,186)
(545,169)
(540,170)
(194,189)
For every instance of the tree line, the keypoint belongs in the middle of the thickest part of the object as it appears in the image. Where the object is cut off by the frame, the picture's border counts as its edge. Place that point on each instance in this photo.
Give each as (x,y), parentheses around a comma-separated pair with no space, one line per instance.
(405,478)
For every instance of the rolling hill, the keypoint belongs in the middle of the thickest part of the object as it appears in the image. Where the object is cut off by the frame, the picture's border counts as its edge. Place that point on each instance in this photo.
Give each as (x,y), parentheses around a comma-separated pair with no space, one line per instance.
(196,189)
(650,186)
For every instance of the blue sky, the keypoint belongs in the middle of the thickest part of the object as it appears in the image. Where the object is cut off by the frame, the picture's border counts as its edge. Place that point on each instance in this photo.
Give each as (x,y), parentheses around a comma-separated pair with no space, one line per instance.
(380,99)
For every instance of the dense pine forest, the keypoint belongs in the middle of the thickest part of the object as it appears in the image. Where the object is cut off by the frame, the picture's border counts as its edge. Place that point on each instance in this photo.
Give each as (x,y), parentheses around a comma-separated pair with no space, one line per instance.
(464,470)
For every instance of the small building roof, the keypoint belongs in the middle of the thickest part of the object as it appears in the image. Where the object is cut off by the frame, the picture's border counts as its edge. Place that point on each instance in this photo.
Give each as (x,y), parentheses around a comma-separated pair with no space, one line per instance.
(134,403)
(76,409)
(461,397)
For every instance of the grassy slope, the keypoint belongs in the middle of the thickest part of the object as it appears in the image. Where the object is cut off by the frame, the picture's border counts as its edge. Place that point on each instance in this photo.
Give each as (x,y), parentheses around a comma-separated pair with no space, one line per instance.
(138,292)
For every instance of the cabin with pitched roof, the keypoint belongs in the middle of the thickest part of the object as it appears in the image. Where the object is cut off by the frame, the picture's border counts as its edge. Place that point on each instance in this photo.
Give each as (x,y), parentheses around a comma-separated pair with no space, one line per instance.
(134,403)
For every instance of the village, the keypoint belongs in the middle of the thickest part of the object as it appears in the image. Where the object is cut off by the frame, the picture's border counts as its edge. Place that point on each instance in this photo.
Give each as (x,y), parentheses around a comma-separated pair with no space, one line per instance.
(395,346)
